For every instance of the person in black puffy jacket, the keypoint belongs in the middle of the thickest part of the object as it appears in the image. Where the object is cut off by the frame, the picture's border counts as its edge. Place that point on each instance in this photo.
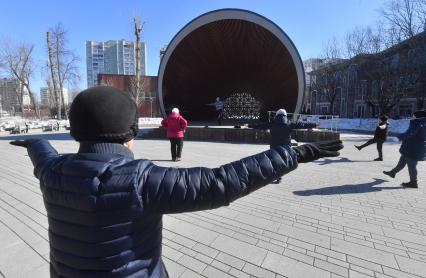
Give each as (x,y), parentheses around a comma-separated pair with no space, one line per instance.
(105,208)
(380,135)
(280,129)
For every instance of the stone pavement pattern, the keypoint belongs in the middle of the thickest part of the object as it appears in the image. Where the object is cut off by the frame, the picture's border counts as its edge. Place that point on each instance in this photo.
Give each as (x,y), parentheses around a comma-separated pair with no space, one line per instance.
(332,218)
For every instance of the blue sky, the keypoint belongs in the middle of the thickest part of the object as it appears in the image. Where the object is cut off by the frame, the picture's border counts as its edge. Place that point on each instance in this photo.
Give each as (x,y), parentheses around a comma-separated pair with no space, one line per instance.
(309,23)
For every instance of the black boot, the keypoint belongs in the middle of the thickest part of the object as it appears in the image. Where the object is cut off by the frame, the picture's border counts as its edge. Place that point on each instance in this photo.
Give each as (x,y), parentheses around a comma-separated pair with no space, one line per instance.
(358,147)
(390,173)
(410,184)
(378,159)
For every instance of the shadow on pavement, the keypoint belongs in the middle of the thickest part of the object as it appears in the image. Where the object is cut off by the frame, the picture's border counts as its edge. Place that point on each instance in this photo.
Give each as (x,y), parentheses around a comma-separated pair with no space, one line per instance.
(340,160)
(346,189)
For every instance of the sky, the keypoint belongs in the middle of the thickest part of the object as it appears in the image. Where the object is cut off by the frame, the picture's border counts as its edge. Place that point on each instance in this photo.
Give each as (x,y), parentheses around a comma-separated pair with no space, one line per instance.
(308,23)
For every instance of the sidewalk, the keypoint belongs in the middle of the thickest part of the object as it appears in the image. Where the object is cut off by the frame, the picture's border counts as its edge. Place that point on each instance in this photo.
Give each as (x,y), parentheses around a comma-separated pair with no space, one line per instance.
(332,218)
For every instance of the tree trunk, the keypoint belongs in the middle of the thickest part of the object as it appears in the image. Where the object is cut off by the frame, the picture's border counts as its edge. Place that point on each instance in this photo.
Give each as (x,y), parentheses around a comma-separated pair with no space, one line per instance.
(137,58)
(60,79)
(52,72)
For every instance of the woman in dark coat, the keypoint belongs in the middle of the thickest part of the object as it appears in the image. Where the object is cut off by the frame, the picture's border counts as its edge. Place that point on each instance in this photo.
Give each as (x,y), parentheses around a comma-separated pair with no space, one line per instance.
(105,208)
(379,138)
(413,148)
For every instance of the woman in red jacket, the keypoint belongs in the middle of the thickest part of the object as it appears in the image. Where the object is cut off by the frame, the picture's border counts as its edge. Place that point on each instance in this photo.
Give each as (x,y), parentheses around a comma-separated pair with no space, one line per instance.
(175,125)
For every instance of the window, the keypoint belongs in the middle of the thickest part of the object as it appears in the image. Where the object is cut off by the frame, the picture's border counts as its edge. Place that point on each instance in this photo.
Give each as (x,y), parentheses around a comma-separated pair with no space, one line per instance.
(360,110)
(324,110)
(394,60)
(363,88)
(405,110)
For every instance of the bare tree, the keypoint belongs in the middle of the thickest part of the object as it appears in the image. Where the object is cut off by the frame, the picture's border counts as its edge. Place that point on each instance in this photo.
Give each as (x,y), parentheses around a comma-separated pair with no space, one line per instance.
(364,40)
(138,29)
(63,64)
(331,50)
(388,84)
(327,80)
(404,19)
(16,59)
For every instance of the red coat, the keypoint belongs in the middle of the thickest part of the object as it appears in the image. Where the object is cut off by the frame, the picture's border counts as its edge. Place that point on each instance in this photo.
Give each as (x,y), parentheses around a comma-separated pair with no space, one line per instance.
(175,125)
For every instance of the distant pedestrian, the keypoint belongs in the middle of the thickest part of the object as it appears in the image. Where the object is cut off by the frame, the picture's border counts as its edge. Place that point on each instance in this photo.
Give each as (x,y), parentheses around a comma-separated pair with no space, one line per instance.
(57,126)
(379,138)
(218,104)
(175,125)
(413,148)
(27,126)
(280,129)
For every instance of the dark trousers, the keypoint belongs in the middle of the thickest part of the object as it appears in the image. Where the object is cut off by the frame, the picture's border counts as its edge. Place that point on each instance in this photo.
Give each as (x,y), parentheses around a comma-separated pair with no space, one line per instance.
(379,145)
(176,145)
(219,116)
(411,163)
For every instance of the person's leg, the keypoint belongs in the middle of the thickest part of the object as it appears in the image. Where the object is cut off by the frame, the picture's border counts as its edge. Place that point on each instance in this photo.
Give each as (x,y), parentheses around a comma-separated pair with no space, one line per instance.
(412,169)
(379,150)
(219,117)
(173,148)
(401,164)
(369,142)
(179,143)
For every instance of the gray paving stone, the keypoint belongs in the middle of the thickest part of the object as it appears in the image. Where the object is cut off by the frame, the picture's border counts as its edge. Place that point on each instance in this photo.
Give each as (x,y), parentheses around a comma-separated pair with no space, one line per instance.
(361,251)
(192,263)
(411,266)
(274,217)
(337,269)
(304,235)
(239,249)
(292,268)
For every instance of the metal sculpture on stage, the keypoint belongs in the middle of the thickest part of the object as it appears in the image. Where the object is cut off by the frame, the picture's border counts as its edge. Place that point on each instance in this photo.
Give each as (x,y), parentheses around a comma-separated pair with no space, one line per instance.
(227,51)
(241,106)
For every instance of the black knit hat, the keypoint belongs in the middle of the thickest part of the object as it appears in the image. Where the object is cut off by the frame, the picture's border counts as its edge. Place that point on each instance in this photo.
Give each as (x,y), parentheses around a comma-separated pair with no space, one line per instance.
(103,114)
(383,118)
(420,114)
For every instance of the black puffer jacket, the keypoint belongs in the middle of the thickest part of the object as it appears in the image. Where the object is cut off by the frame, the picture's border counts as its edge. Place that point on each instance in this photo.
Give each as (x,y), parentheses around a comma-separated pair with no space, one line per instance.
(381,132)
(105,208)
(281,129)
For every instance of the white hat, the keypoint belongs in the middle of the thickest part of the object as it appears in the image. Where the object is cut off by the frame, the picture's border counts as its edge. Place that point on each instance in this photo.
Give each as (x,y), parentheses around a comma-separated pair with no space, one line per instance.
(175,110)
(281,112)
(218,98)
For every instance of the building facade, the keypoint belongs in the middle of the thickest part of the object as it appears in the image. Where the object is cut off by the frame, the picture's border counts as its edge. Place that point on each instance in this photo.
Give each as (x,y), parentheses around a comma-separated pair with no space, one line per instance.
(48,100)
(148,102)
(391,82)
(9,97)
(112,57)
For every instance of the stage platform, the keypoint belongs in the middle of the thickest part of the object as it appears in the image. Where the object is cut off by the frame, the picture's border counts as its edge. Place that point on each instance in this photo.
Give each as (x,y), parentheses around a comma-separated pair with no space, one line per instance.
(241,135)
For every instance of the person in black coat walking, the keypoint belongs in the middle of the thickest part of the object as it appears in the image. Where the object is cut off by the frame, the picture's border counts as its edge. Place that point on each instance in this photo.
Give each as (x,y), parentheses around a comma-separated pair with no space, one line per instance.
(105,208)
(380,135)
(413,148)
(280,129)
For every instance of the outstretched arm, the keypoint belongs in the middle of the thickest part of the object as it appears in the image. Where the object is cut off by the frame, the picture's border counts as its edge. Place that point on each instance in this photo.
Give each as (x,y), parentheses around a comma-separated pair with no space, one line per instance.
(40,152)
(300,125)
(260,126)
(172,190)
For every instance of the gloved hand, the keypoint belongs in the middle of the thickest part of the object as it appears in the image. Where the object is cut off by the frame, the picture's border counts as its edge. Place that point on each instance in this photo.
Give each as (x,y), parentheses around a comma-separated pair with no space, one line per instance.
(313,151)
(22,143)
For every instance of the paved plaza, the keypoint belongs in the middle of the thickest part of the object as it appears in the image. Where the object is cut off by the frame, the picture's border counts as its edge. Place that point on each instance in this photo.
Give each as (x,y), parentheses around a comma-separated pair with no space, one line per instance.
(331,218)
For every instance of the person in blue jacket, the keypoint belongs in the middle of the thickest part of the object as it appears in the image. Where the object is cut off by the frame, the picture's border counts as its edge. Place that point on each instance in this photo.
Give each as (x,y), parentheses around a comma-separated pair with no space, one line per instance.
(413,148)
(105,208)
(280,129)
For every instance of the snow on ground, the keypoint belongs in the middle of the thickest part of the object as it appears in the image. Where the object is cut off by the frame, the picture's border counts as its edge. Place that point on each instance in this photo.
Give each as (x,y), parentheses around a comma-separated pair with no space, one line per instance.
(395,126)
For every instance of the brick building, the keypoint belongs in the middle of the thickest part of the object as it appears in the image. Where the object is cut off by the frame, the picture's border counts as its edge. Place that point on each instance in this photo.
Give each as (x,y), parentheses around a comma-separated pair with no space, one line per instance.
(391,82)
(148,102)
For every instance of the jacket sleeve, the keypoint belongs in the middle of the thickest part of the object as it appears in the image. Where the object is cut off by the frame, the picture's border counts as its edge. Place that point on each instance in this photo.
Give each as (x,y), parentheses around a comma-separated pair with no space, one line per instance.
(183,123)
(300,125)
(413,128)
(42,154)
(164,122)
(173,190)
(260,126)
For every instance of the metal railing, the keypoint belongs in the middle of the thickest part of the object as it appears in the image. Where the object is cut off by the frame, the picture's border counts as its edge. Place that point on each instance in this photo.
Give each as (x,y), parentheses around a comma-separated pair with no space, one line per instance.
(327,122)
